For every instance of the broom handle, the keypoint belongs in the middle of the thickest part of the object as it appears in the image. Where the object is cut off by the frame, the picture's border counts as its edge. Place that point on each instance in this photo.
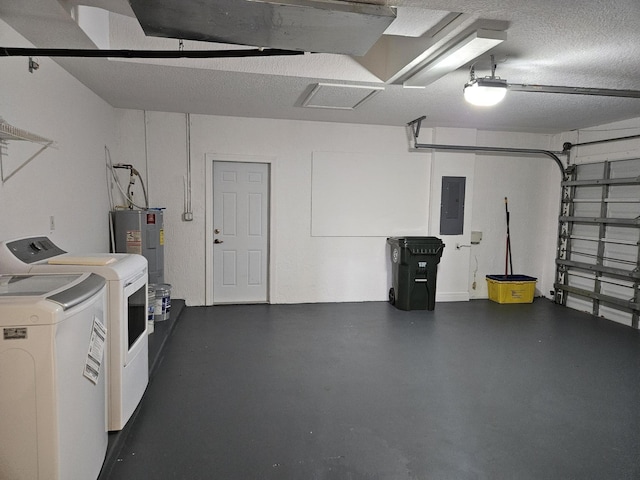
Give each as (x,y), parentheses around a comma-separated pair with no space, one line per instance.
(508,261)
(510,257)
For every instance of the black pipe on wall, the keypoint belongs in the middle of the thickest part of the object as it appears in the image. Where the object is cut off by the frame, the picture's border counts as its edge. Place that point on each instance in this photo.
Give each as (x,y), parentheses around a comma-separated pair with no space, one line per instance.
(97,53)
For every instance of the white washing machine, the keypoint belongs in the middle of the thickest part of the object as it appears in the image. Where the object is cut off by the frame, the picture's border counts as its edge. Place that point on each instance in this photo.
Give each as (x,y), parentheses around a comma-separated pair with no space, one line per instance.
(52,377)
(127,306)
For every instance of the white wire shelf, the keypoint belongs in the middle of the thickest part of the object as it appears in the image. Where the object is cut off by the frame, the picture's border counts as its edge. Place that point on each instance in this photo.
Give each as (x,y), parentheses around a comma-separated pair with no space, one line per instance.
(11,133)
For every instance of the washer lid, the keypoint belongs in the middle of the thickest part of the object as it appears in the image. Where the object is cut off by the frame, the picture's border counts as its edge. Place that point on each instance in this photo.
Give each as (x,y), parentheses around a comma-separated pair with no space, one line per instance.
(34,285)
(67,290)
(80,292)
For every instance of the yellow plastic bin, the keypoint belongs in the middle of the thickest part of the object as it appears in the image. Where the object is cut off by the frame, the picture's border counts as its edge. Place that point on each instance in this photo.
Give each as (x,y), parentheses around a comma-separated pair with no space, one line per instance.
(511,288)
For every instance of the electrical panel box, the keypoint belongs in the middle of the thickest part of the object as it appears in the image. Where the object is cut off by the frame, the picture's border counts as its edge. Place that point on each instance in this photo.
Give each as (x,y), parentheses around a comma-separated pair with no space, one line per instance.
(141,232)
(452,206)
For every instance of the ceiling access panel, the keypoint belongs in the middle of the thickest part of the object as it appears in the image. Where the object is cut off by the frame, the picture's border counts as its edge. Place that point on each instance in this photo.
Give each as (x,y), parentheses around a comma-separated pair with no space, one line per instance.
(320,26)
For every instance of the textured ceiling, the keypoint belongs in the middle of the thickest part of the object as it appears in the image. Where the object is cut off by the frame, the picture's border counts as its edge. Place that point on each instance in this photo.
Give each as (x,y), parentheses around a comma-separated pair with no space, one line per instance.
(590,43)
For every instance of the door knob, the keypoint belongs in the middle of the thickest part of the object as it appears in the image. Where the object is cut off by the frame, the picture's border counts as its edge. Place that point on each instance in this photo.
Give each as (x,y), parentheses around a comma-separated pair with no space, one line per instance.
(217,241)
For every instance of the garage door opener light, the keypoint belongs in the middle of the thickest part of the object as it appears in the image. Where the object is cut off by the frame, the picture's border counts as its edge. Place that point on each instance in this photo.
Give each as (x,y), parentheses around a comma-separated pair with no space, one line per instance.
(487,91)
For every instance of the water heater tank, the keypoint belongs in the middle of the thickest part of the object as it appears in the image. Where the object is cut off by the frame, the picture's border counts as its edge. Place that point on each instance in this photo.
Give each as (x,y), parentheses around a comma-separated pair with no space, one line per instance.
(141,232)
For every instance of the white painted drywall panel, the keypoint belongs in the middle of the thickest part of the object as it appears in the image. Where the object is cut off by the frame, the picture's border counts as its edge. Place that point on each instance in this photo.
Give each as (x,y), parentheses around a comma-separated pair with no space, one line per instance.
(95,23)
(549,242)
(604,151)
(166,137)
(453,282)
(304,268)
(532,186)
(324,269)
(368,194)
(67,182)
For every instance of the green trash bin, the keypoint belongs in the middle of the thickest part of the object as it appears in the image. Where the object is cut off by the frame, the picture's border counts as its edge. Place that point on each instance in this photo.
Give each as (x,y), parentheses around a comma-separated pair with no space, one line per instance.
(414,263)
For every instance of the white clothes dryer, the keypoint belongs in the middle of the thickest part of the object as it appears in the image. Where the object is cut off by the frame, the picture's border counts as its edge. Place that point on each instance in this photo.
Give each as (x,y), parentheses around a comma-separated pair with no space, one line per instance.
(127,307)
(52,376)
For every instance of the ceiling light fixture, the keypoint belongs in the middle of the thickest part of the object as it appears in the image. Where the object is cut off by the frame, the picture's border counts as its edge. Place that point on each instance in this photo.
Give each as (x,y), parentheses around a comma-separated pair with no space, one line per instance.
(453,57)
(487,91)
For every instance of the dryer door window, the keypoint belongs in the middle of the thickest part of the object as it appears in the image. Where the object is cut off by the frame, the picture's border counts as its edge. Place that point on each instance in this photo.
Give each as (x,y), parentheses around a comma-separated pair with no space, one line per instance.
(137,314)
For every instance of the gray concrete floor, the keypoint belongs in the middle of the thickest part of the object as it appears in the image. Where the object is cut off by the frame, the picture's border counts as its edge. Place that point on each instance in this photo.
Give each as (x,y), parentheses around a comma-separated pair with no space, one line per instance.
(358,391)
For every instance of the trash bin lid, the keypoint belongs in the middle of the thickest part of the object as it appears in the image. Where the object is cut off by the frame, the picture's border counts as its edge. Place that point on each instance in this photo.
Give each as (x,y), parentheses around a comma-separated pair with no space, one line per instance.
(418,245)
(415,241)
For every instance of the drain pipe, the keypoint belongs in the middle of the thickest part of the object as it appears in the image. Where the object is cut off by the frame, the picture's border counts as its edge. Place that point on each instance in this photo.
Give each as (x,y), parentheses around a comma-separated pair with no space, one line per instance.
(187,215)
(415,129)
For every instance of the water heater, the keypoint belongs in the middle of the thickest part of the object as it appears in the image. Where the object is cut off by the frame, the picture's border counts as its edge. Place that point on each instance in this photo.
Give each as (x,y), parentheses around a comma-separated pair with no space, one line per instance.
(141,232)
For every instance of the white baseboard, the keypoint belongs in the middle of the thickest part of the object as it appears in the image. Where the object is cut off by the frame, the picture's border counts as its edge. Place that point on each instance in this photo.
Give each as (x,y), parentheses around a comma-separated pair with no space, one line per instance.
(452,296)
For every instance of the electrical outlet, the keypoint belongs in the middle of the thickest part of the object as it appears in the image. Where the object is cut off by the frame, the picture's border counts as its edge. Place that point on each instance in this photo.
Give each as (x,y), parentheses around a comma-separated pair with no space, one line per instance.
(52,223)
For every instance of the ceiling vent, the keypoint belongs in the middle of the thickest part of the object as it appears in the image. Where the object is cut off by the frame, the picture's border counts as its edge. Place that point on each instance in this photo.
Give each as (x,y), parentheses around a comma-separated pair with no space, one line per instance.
(338,96)
(320,26)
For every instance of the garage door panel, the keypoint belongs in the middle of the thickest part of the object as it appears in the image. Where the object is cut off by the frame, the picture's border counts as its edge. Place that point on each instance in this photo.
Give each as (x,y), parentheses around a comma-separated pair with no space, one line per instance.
(599,242)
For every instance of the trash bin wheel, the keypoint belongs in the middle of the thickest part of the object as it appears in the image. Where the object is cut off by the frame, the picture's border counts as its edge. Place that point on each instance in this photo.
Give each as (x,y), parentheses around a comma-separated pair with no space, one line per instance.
(392,296)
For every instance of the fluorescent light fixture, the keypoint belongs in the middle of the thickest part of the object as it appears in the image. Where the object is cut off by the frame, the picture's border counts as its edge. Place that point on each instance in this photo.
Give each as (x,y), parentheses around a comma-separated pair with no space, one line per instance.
(485,92)
(461,53)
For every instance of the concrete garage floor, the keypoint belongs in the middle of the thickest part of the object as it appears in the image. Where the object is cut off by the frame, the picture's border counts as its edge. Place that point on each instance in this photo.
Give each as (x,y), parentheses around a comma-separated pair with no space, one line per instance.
(363,391)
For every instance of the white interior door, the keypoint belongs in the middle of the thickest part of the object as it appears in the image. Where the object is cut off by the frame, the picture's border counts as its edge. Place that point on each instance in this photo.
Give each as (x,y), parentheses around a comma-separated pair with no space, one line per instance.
(240,232)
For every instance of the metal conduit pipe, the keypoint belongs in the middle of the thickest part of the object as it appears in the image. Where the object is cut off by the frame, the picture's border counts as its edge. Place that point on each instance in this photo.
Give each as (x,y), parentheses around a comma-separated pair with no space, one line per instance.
(187,215)
(568,145)
(524,151)
(415,128)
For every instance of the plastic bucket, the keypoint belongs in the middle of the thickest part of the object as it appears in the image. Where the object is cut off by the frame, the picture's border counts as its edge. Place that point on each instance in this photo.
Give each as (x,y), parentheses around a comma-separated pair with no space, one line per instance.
(162,302)
(151,300)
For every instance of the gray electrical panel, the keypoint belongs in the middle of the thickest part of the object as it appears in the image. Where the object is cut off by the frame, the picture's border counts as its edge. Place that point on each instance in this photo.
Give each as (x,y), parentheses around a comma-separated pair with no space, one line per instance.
(452,206)
(141,232)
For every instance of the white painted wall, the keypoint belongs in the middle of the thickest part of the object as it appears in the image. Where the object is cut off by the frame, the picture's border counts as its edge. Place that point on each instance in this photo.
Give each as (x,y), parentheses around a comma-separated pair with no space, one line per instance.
(67,182)
(604,151)
(304,268)
(335,269)
(532,186)
(452,282)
